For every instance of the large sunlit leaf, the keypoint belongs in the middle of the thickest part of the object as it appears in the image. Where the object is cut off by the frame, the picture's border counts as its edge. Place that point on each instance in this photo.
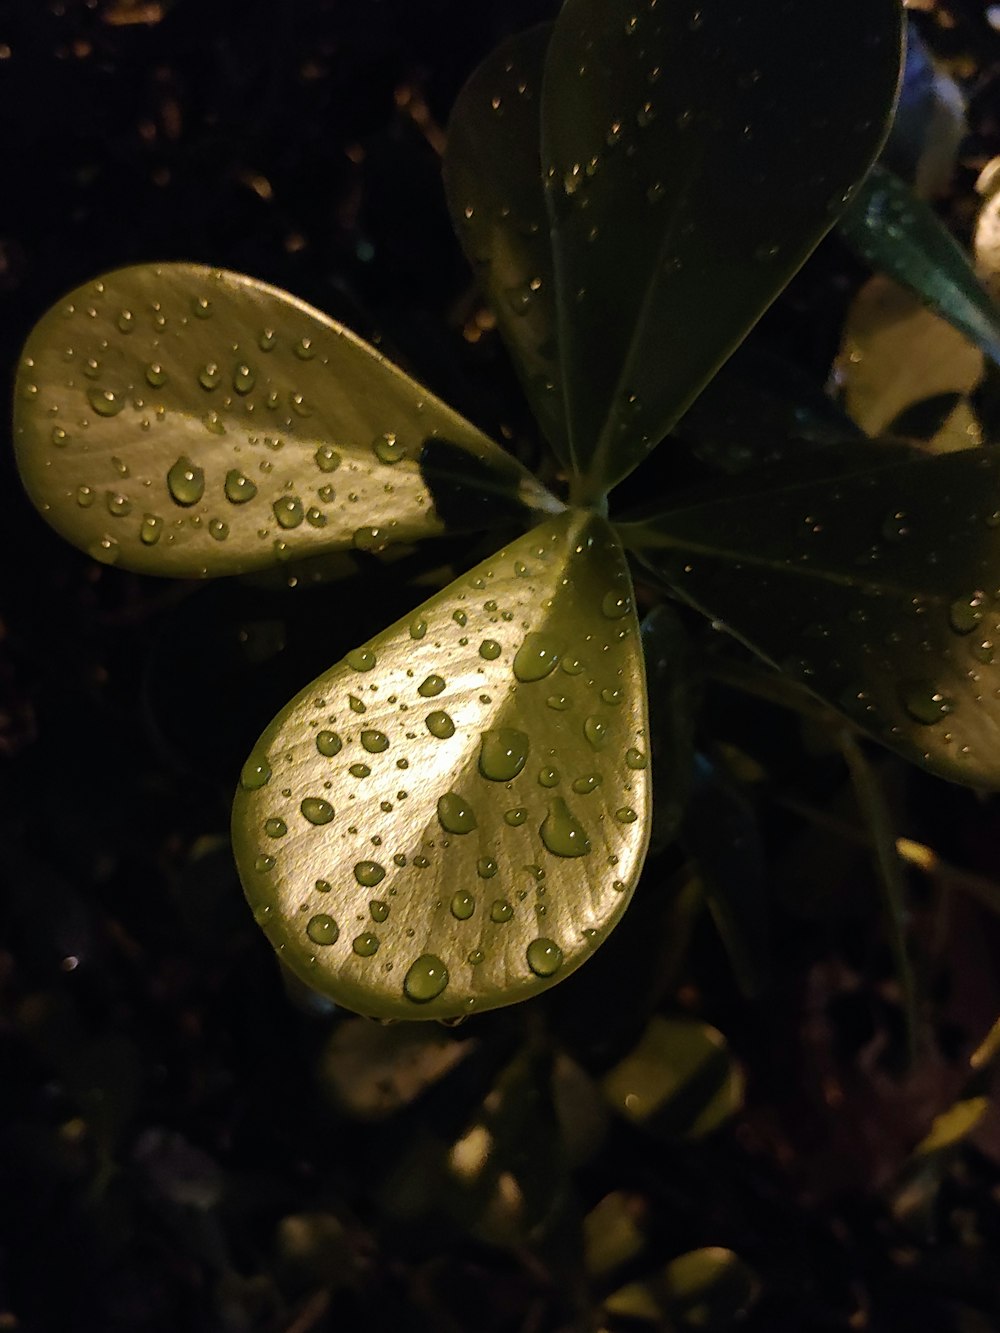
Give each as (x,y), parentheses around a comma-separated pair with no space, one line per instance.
(898,234)
(180,420)
(694,155)
(493,179)
(454,816)
(870,574)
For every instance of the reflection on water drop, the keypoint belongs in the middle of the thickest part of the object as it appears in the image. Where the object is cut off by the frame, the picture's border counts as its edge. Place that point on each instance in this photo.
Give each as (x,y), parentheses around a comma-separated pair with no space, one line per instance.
(275,827)
(503,753)
(329,743)
(361,659)
(288,511)
(255,774)
(439,724)
(425,979)
(365,944)
(537,656)
(369,873)
(501,911)
(455,814)
(316,810)
(462,905)
(544,957)
(375,742)
(562,833)
(186,482)
(432,686)
(239,489)
(322,929)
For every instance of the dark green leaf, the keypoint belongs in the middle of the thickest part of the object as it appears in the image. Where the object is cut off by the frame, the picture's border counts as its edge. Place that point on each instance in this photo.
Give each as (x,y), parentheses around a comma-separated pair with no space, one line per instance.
(455,815)
(674,687)
(709,1289)
(693,156)
(493,179)
(898,234)
(180,420)
(869,573)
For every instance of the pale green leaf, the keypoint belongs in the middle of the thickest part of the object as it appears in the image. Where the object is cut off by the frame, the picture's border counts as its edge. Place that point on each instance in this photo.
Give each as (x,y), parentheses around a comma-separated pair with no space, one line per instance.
(181,420)
(454,817)
(693,156)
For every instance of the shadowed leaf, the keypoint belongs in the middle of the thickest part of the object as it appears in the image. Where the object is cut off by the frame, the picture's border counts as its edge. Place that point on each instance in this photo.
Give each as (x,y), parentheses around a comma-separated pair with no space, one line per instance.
(180,420)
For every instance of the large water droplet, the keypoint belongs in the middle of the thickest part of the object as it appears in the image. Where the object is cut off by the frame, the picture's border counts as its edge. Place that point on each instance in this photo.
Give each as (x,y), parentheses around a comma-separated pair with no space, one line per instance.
(503,753)
(432,686)
(117,505)
(536,657)
(150,529)
(288,511)
(489,649)
(924,702)
(275,827)
(105,402)
(635,758)
(596,731)
(316,810)
(375,742)
(561,833)
(463,905)
(361,659)
(369,873)
(327,458)
(455,814)
(186,482)
(322,929)
(544,957)
(439,724)
(379,910)
(239,489)
(501,911)
(425,979)
(585,785)
(387,449)
(329,743)
(366,944)
(418,627)
(256,773)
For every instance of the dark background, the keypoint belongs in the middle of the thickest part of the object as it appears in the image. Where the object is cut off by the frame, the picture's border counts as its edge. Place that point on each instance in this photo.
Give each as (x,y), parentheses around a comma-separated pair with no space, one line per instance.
(174,1153)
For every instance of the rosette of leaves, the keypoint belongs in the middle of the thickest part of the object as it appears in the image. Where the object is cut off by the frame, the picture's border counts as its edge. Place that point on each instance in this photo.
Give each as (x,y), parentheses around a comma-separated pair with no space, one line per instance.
(454,816)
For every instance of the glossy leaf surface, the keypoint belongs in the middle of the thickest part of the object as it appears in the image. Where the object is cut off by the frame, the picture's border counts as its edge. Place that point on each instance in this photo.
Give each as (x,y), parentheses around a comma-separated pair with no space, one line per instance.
(870,574)
(898,234)
(493,179)
(454,816)
(693,156)
(180,420)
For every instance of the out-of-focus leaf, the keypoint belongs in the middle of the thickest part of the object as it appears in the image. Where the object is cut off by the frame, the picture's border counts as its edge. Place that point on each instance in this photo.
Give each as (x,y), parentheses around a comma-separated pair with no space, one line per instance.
(899,235)
(720,833)
(181,420)
(678,1082)
(986,242)
(709,1289)
(869,574)
(953,1126)
(906,371)
(680,146)
(493,179)
(929,124)
(674,689)
(454,816)
(371,1071)
(611,1233)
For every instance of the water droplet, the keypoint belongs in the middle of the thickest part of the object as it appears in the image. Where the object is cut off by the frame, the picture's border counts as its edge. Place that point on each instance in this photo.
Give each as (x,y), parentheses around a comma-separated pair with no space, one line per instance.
(626,815)
(558,702)
(186,482)
(369,873)
(596,731)
(59,437)
(359,770)
(501,911)
(503,753)
(305,349)
(544,957)
(418,628)
(209,376)
(156,376)
(239,489)
(361,659)
(635,758)
(379,910)
(322,929)
(366,944)
(475,957)
(106,550)
(387,449)
(105,402)
(460,618)
(125,321)
(924,702)
(425,979)
(329,743)
(516,817)
(432,686)
(218,530)
(548,777)
(288,511)
(561,833)
(255,774)
(327,458)
(439,724)
(615,605)
(316,810)
(489,649)
(356,705)
(375,742)
(85,496)
(117,505)
(486,867)
(895,526)
(612,696)
(316,518)
(323,886)
(984,652)
(264,863)
(275,827)
(463,905)
(585,785)
(201,307)
(267,340)
(571,665)
(966,612)
(243,379)
(455,814)
(536,657)
(150,529)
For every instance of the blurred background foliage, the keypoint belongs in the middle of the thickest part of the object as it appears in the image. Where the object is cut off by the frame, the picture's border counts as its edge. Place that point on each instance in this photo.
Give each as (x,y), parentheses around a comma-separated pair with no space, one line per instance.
(767,1101)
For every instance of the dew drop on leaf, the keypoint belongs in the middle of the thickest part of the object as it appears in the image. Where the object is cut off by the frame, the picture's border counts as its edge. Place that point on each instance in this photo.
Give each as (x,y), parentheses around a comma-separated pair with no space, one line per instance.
(322,929)
(544,957)
(455,815)
(463,905)
(186,482)
(375,742)
(328,743)
(536,658)
(501,911)
(425,979)
(256,773)
(439,724)
(502,754)
(365,944)
(432,686)
(316,810)
(239,489)
(369,873)
(361,659)
(562,833)
(924,702)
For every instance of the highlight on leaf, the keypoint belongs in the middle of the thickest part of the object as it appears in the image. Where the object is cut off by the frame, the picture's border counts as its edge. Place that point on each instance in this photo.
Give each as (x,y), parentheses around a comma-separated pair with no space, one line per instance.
(454,816)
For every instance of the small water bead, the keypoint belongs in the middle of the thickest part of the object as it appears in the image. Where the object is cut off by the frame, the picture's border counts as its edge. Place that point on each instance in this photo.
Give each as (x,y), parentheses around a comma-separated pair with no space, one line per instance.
(264,863)
(421,862)
(316,518)
(267,340)
(379,910)
(455,815)
(615,605)
(365,944)
(571,665)
(635,758)
(156,376)
(501,911)
(59,437)
(355,704)
(305,349)
(275,827)
(323,886)
(92,368)
(548,777)
(439,724)
(210,376)
(585,785)
(361,659)
(626,815)
(387,449)
(431,687)
(117,505)
(150,529)
(106,550)
(299,405)
(201,307)
(288,511)
(460,618)
(425,979)
(213,423)
(562,833)
(359,770)
(316,810)
(486,867)
(896,526)
(984,652)
(515,817)
(105,402)
(418,628)
(463,905)
(256,773)
(924,702)
(239,489)
(218,530)
(537,656)
(612,696)
(322,929)
(557,702)
(85,496)
(966,612)
(544,957)
(503,753)
(596,731)
(327,458)
(186,482)
(489,649)
(329,743)
(375,742)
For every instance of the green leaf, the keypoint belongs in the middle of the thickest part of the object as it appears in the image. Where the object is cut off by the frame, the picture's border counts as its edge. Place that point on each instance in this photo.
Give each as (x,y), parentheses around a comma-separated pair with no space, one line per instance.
(709,1289)
(180,420)
(493,180)
(693,156)
(868,573)
(454,816)
(898,234)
